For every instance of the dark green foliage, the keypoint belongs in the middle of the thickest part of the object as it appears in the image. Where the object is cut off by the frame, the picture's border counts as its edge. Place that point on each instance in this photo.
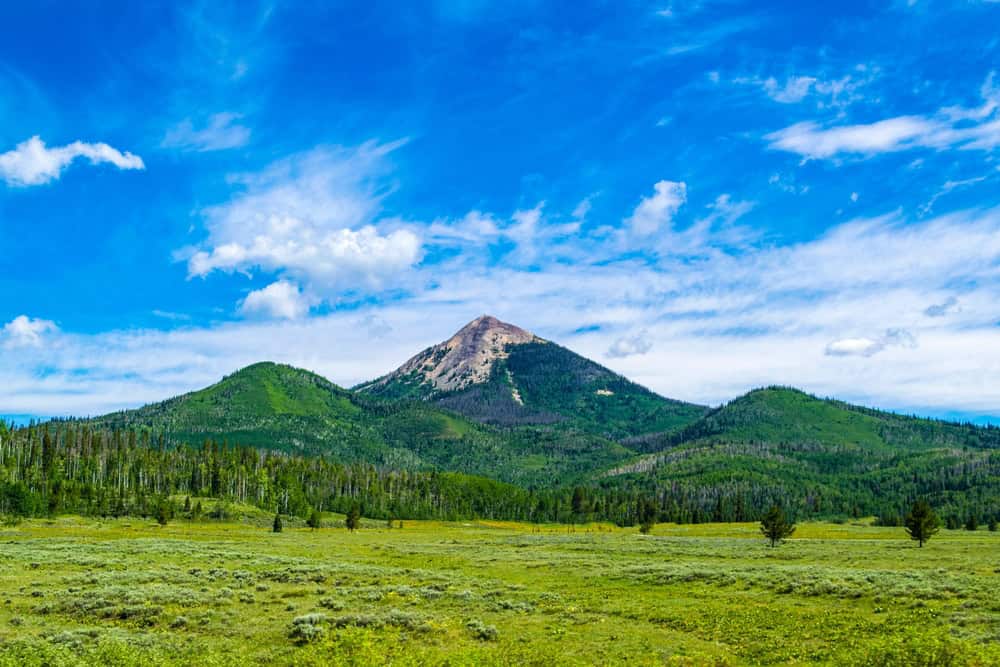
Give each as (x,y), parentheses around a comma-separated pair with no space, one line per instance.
(163,512)
(775,526)
(353,520)
(816,458)
(276,527)
(278,407)
(992,525)
(315,520)
(972,522)
(921,523)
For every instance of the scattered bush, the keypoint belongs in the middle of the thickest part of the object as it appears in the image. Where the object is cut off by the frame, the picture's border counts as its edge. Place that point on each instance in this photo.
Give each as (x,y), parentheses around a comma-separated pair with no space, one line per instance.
(483,632)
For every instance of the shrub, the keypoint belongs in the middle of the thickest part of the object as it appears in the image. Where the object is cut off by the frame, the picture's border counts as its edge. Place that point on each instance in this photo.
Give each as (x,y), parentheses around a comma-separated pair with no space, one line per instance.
(481,631)
(308,628)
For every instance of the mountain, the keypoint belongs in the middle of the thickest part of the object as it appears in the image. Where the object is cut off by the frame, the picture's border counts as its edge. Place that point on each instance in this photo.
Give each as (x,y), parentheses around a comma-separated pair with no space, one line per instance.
(279,407)
(497,373)
(823,456)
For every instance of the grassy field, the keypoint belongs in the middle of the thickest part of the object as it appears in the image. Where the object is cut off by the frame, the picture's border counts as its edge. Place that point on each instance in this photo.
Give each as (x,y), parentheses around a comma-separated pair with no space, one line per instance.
(127,591)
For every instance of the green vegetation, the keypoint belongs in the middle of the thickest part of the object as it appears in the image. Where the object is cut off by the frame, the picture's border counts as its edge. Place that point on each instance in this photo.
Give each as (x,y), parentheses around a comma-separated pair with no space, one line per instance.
(129,592)
(775,527)
(921,523)
(816,457)
(280,408)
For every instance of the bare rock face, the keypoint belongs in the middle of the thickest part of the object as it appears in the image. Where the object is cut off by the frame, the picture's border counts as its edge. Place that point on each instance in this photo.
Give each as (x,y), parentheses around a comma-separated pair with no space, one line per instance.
(467,357)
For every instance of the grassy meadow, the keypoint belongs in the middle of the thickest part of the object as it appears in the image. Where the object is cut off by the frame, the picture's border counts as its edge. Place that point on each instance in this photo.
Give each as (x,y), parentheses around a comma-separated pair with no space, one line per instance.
(127,591)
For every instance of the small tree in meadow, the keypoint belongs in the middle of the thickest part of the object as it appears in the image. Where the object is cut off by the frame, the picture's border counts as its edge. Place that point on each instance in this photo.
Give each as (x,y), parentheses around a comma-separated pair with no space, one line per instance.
(354,518)
(276,527)
(775,526)
(992,525)
(921,523)
(315,520)
(162,513)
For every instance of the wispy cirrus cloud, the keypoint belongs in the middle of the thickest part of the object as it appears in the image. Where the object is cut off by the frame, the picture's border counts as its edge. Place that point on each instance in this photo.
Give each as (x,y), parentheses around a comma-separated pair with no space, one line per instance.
(33,163)
(952,127)
(221,131)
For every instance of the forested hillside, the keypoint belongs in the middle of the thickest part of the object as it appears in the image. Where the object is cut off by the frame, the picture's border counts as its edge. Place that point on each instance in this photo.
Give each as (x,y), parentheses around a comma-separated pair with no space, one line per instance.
(823,457)
(287,409)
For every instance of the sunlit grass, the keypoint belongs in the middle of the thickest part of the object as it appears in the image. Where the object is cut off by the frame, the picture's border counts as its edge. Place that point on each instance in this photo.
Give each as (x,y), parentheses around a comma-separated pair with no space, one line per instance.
(130,592)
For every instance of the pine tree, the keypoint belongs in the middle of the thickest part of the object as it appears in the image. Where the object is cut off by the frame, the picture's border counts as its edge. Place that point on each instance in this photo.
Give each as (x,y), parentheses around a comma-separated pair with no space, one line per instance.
(972,522)
(276,526)
(921,523)
(315,520)
(162,513)
(992,525)
(354,518)
(775,527)
(187,505)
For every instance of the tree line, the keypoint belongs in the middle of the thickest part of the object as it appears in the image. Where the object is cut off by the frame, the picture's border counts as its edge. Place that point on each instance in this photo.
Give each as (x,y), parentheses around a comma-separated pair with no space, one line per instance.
(76,467)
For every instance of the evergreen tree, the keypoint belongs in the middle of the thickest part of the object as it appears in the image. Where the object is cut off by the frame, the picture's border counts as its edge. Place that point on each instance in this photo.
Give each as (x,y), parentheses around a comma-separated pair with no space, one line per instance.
(197,511)
(162,513)
(972,522)
(992,526)
(775,526)
(354,518)
(276,526)
(187,505)
(315,520)
(921,523)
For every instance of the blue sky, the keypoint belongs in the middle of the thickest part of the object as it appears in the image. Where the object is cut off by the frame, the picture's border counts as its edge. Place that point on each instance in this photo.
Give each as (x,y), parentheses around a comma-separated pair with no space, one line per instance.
(705,196)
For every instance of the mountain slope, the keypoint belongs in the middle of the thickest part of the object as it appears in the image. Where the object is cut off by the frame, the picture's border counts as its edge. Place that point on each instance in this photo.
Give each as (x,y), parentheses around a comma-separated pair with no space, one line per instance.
(279,407)
(821,456)
(497,373)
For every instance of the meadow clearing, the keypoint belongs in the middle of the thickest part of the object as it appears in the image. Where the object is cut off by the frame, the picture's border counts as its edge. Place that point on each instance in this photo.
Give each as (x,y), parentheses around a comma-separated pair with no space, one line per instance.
(127,591)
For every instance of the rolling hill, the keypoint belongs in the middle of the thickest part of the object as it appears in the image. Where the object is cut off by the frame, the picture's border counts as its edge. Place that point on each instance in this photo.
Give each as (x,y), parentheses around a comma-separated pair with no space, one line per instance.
(279,407)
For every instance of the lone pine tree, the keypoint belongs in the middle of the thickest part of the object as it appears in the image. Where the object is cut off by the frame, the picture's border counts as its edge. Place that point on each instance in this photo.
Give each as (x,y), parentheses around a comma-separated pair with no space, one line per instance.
(921,523)
(775,526)
(354,518)
(315,520)
(276,526)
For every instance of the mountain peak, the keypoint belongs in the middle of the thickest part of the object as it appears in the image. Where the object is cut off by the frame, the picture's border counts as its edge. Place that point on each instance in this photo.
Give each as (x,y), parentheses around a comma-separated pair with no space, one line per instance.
(467,357)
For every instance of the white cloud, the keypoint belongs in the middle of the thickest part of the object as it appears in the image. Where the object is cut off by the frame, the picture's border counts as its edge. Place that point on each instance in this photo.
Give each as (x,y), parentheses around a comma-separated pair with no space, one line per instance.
(725,319)
(32,163)
(824,92)
(866,347)
(220,132)
(281,300)
(627,346)
(24,331)
(951,127)
(312,218)
(656,212)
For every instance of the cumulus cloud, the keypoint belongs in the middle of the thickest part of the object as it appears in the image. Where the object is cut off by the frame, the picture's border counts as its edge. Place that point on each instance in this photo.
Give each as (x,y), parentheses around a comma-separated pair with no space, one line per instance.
(951,127)
(220,132)
(656,212)
(312,218)
(24,331)
(33,163)
(282,300)
(866,347)
(627,346)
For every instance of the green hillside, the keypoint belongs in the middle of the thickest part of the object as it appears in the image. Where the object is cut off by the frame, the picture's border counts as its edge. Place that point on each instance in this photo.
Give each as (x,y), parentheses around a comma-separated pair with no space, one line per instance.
(823,456)
(278,407)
